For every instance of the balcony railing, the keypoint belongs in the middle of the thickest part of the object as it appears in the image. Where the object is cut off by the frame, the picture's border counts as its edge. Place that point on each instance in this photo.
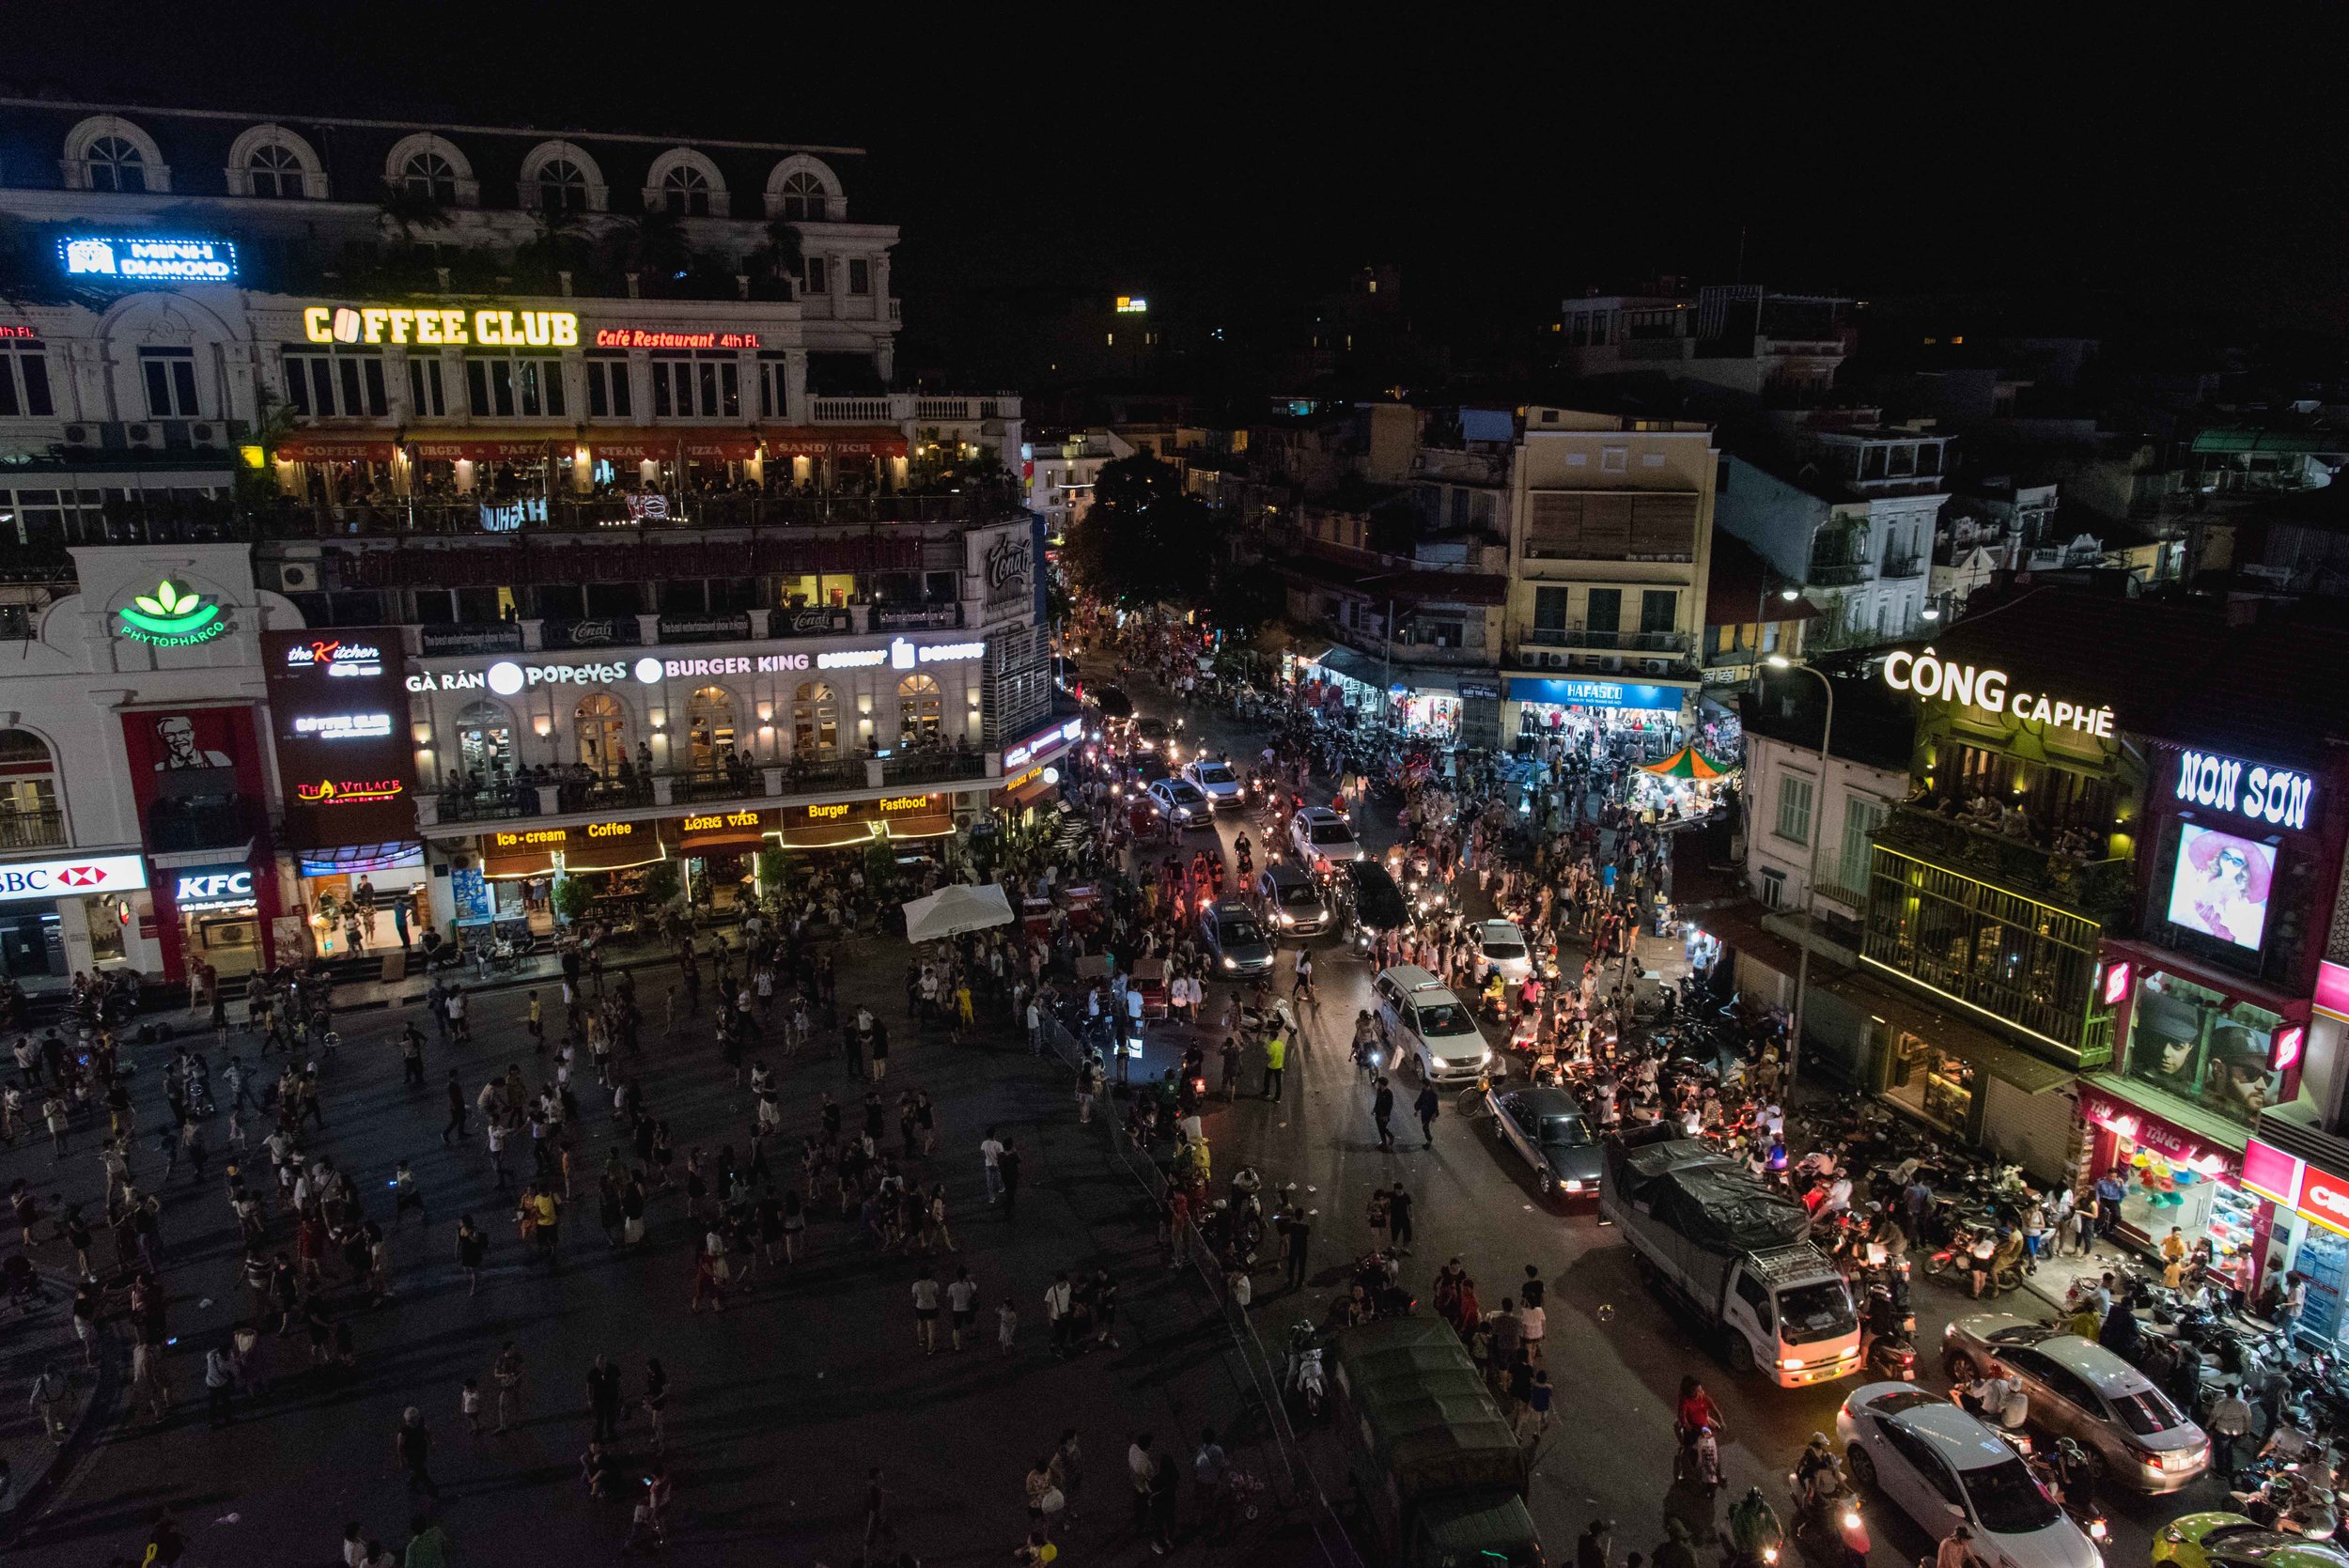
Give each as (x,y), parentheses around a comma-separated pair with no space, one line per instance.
(932,766)
(196,520)
(2095,889)
(1909,564)
(1607,639)
(1838,574)
(31,830)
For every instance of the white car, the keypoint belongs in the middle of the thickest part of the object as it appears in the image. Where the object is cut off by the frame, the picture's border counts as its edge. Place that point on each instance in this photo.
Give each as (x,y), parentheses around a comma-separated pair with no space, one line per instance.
(1943,1468)
(1215,778)
(1418,1018)
(1504,945)
(1322,838)
(1183,802)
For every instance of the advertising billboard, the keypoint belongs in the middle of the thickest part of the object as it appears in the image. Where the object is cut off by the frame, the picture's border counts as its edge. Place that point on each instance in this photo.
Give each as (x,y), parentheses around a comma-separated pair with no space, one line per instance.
(2221,886)
(338,718)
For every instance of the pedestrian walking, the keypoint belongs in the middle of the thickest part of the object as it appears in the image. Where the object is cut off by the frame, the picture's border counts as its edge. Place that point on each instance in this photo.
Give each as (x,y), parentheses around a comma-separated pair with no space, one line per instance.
(926,1303)
(1399,1218)
(1059,1312)
(1276,1055)
(458,1110)
(1382,1111)
(505,1376)
(411,1451)
(603,1398)
(1295,1234)
(962,1304)
(990,1157)
(1427,1106)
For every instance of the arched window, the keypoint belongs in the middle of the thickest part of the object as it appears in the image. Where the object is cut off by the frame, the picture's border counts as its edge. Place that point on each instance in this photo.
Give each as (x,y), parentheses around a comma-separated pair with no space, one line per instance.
(116,164)
(921,710)
(562,186)
(485,742)
(685,191)
(709,728)
(603,727)
(276,171)
(804,198)
(815,721)
(29,792)
(429,175)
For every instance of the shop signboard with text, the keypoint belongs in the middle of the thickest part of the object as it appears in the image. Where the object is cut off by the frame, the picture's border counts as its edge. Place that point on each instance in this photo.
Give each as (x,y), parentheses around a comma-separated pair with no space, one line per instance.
(2154,1134)
(1563,693)
(339,724)
(73,876)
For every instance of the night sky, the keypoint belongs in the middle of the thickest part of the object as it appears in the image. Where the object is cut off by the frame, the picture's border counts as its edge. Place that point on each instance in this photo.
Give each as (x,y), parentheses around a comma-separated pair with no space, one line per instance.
(2132,167)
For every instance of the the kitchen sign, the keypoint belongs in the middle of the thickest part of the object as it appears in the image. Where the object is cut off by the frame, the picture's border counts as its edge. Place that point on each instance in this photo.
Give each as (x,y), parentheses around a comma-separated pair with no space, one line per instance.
(1929,676)
(2275,796)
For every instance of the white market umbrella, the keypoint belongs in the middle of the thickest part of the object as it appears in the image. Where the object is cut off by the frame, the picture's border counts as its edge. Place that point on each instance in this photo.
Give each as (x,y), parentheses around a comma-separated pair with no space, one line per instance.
(952,910)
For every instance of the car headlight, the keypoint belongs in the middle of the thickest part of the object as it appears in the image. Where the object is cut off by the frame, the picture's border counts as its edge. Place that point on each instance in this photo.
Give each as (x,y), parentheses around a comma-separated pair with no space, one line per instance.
(1230,962)
(1281,917)
(1572,1184)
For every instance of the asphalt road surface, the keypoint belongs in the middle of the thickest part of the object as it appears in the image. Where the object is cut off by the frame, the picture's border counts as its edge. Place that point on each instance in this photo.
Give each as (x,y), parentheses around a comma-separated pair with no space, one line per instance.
(783,1402)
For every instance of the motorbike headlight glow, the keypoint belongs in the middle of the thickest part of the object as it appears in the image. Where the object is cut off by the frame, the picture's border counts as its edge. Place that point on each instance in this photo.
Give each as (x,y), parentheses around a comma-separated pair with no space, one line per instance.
(1851,1518)
(1230,962)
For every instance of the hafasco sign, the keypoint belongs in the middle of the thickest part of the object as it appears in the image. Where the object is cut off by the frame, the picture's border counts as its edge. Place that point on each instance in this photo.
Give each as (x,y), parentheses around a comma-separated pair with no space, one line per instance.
(2270,795)
(213,890)
(1929,676)
(116,259)
(490,329)
(172,618)
(63,879)
(335,658)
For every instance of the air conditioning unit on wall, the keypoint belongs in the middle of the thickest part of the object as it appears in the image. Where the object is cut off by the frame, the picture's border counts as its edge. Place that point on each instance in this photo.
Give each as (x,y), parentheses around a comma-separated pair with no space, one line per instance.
(297,576)
(147,436)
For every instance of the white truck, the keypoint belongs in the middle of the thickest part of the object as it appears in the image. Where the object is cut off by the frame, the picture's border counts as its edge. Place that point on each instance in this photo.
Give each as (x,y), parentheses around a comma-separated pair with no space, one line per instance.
(1733,1252)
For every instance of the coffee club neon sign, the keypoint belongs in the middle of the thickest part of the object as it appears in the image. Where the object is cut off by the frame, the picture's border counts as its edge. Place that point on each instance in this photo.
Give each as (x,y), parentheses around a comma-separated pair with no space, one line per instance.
(2270,795)
(1929,676)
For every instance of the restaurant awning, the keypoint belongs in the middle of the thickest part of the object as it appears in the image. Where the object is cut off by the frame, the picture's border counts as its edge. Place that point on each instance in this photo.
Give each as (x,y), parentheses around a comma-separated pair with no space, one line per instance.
(484,447)
(922,825)
(635,445)
(613,846)
(847,441)
(799,832)
(720,833)
(331,449)
(537,861)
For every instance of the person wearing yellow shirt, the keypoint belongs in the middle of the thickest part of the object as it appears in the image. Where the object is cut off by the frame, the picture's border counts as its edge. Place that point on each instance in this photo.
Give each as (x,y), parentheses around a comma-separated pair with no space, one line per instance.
(1276,1055)
(549,1209)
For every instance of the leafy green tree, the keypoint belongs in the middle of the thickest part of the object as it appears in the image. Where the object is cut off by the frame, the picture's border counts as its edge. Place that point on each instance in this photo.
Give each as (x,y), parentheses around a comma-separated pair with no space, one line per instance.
(572,898)
(662,883)
(1144,540)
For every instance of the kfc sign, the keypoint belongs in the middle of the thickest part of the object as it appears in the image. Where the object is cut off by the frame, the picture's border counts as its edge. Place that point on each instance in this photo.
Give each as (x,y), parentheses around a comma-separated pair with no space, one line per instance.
(59,878)
(212,889)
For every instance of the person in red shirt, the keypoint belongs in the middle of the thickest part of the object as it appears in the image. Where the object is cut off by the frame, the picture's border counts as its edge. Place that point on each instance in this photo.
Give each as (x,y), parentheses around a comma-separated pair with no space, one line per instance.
(1697,1409)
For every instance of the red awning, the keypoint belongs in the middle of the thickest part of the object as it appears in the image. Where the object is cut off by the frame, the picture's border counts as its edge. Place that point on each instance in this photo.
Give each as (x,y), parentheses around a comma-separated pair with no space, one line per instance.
(481,449)
(328,449)
(732,446)
(845,442)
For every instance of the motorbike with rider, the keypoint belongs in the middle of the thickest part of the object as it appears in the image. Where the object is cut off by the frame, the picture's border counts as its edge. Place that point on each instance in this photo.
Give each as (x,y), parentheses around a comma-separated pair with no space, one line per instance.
(1755,1536)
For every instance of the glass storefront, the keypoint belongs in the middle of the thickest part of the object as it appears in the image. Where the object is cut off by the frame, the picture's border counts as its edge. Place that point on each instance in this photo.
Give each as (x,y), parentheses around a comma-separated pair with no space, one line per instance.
(364,899)
(2175,1175)
(1931,1084)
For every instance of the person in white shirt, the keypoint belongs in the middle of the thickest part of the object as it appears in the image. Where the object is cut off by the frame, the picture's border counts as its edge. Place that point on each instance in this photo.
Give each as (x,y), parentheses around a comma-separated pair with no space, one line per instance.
(990,1153)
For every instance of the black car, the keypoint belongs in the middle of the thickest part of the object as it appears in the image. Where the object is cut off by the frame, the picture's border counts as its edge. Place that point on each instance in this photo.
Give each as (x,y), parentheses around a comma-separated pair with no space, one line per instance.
(1547,1130)
(1373,902)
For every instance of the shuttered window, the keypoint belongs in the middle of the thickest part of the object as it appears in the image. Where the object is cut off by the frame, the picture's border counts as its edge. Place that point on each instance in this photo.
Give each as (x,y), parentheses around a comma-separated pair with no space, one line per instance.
(1610,525)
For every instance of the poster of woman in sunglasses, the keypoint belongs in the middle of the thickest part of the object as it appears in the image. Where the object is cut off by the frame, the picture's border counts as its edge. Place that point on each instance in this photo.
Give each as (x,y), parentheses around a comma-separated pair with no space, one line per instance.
(2221,886)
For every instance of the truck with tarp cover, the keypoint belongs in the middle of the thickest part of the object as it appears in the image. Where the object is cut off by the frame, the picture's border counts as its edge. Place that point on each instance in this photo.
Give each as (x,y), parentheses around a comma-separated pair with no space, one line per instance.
(1735,1253)
(1436,1466)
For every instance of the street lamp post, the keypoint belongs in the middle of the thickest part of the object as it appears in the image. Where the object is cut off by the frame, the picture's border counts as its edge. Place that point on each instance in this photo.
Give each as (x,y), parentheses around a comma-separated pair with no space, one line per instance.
(1810,877)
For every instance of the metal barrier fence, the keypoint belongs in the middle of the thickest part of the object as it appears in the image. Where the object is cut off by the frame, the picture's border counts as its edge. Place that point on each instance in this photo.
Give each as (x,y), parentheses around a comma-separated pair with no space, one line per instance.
(1264,1370)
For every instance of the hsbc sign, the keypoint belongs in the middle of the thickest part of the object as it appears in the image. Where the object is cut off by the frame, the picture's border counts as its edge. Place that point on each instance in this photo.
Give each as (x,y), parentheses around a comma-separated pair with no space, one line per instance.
(21,880)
